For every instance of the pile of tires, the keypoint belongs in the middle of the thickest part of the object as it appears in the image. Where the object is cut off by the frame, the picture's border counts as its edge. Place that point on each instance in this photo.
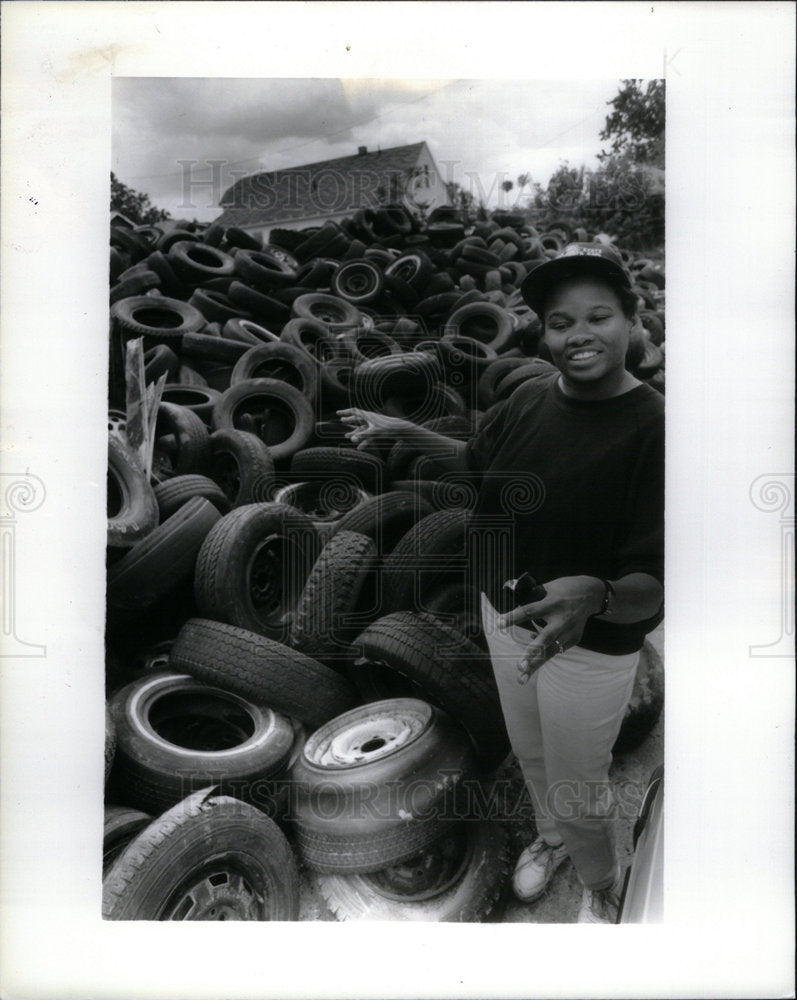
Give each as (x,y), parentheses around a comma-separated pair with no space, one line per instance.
(297,683)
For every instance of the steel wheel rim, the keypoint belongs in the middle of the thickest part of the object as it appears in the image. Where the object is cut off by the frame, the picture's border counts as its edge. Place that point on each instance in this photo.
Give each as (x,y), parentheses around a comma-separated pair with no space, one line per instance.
(369,733)
(218,891)
(265,577)
(428,874)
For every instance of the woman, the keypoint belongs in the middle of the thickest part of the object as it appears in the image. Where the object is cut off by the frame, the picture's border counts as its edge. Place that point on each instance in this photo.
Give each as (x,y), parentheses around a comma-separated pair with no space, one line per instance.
(592,437)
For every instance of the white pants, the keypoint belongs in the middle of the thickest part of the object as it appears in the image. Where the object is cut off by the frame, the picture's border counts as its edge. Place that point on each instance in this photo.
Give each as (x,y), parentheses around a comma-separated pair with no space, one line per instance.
(562,724)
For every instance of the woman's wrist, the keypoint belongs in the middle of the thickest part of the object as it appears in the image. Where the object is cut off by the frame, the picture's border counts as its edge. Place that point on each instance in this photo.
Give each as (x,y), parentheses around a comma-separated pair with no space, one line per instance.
(597,594)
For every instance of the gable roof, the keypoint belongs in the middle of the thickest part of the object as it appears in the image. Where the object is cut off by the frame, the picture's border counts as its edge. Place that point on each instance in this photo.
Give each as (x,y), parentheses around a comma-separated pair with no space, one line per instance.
(344,184)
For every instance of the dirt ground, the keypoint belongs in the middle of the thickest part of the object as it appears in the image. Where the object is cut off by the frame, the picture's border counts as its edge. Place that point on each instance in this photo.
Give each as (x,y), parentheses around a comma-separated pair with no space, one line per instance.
(560,904)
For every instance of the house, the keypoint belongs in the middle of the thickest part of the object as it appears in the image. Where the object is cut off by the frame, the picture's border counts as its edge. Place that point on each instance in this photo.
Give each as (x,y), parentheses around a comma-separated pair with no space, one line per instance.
(330,190)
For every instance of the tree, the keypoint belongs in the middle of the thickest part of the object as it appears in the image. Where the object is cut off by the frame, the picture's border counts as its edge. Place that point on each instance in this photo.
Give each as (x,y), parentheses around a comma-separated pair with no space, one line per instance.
(465,202)
(636,125)
(622,198)
(135,205)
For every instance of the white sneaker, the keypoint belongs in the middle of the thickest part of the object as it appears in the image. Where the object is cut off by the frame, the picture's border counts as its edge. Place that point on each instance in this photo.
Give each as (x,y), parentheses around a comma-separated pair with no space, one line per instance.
(535,869)
(600,906)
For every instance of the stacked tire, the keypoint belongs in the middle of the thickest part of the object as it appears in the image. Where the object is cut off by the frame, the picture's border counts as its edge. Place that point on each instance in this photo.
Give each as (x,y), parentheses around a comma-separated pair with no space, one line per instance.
(296,673)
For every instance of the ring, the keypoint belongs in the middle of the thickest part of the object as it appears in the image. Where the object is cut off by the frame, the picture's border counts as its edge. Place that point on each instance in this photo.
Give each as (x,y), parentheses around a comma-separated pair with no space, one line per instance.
(559,647)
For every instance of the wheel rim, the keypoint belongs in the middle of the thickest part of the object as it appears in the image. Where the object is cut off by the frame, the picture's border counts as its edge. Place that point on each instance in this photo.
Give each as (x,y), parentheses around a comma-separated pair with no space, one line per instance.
(429,873)
(269,589)
(370,733)
(227,475)
(218,892)
(117,422)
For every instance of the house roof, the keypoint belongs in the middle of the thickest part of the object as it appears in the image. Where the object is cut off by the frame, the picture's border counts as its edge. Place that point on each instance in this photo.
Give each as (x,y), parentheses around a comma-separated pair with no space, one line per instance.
(344,184)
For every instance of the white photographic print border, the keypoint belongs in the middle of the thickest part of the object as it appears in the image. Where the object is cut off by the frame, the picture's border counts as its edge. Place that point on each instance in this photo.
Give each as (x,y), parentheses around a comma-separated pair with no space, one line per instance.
(729,68)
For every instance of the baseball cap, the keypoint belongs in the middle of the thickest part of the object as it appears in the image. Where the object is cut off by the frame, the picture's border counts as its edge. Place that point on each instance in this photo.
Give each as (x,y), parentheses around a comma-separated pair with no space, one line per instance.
(576,259)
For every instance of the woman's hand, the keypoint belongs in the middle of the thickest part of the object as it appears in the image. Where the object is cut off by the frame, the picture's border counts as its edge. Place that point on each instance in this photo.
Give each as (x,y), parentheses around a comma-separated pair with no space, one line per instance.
(568,603)
(368,428)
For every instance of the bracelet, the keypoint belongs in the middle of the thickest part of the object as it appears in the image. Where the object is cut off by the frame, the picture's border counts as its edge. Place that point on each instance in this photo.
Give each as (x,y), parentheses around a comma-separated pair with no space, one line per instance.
(608,599)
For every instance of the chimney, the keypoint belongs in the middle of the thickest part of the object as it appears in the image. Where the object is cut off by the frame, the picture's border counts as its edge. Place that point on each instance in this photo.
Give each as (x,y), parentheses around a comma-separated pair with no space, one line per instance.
(362,150)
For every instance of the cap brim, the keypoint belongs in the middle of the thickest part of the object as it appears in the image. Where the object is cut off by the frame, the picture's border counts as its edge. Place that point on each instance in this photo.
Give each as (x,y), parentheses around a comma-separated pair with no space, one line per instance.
(538,281)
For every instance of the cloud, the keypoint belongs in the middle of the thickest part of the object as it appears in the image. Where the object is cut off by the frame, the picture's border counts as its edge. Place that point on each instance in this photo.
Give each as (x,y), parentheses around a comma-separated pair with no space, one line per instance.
(490,128)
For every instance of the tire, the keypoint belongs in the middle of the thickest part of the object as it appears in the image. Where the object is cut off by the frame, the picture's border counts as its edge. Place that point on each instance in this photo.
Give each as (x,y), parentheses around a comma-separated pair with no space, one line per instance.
(176,735)
(433,546)
(263,671)
(159,320)
(182,443)
(454,604)
(311,337)
(367,344)
(335,387)
(169,873)
(326,309)
(198,399)
(219,349)
(414,268)
(492,374)
(314,244)
(263,269)
(264,308)
(651,361)
(358,779)
(131,507)
(483,321)
(385,518)
(417,656)
(121,825)
(110,743)
(217,306)
(170,284)
(358,282)
(421,406)
(187,376)
(280,415)
(246,331)
(252,567)
(242,466)
(457,879)
(136,284)
(235,237)
(172,494)
(534,368)
(445,494)
(376,381)
(163,560)
(647,701)
(392,220)
(324,501)
(194,262)
(368,471)
(282,362)
(160,360)
(324,622)
(463,359)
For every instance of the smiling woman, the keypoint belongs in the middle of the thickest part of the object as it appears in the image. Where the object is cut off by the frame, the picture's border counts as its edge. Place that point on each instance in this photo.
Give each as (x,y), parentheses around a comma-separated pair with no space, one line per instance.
(591,438)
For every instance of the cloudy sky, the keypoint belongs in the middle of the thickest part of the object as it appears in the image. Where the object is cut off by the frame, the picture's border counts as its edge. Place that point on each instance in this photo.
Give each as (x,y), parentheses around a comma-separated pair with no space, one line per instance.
(480,132)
